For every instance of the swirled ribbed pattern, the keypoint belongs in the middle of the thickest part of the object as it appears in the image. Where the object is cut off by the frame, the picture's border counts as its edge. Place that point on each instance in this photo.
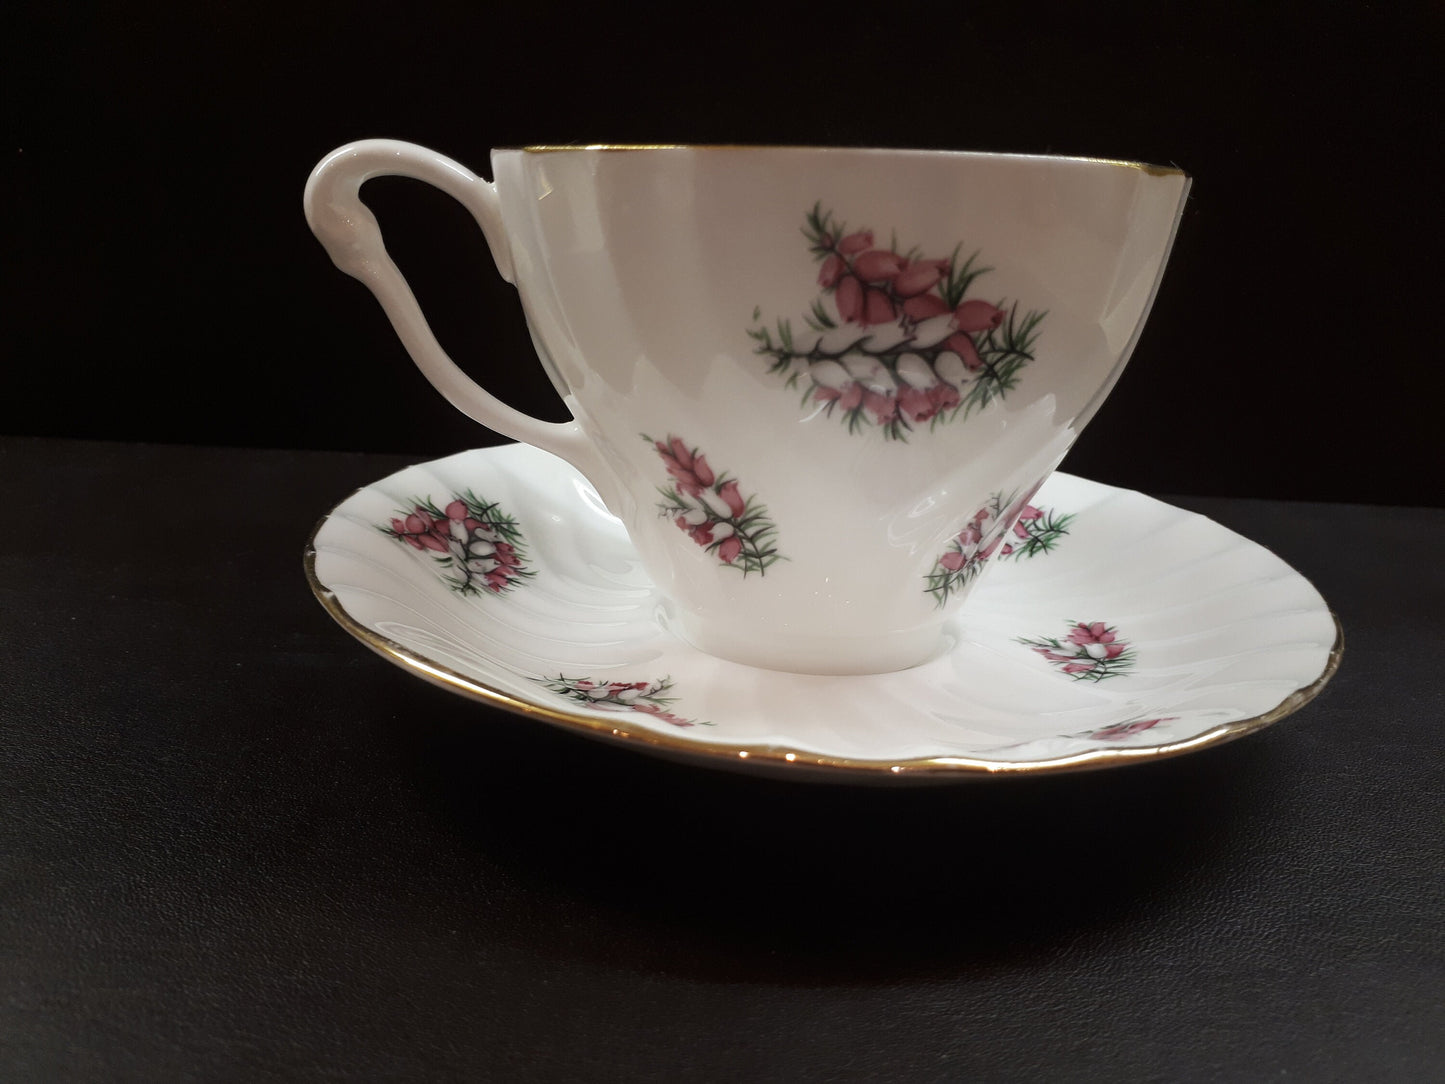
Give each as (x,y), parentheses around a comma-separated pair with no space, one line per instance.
(1221,631)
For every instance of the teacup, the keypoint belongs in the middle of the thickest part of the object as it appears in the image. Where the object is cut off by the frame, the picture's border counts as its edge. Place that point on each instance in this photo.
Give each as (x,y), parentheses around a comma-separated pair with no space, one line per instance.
(817,386)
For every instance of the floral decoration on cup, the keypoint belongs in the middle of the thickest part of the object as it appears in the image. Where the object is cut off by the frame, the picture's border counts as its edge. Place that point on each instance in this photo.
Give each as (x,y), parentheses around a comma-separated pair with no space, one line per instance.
(894,340)
(1035,531)
(712,510)
(1091,651)
(478,546)
(647,697)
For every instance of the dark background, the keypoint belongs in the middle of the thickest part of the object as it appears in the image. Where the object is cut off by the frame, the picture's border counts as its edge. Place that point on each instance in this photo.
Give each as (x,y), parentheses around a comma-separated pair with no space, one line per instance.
(234,845)
(160,283)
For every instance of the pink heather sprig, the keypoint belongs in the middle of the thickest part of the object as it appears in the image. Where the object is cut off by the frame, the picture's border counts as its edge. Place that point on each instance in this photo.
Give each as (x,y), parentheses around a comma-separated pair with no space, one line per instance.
(941,353)
(711,509)
(481,548)
(1090,651)
(1033,531)
(647,697)
(1125,730)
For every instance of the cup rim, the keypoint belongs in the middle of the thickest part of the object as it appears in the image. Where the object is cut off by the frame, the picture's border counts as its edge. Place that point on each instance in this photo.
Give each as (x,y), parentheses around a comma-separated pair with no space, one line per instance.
(1150,168)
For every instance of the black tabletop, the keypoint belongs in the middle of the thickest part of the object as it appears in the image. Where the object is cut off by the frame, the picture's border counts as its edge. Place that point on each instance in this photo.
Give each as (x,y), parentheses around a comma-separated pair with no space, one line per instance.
(234,844)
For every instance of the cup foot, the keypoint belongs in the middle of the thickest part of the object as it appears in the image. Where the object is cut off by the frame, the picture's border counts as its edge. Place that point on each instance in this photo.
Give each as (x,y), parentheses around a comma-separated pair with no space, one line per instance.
(823,655)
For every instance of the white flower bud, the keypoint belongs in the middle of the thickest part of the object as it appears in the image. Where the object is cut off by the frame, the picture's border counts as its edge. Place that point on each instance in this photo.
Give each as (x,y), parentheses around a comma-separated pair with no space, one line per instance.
(716,505)
(950,367)
(694,517)
(885,336)
(1096,651)
(806,342)
(933,331)
(868,371)
(916,372)
(840,338)
(829,374)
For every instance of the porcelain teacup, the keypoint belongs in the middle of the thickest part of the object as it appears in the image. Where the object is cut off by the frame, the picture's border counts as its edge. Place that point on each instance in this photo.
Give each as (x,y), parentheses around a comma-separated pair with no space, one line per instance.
(818,386)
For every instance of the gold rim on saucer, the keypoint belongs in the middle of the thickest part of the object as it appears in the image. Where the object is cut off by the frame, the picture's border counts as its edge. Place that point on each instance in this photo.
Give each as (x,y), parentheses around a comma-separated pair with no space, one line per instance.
(783,758)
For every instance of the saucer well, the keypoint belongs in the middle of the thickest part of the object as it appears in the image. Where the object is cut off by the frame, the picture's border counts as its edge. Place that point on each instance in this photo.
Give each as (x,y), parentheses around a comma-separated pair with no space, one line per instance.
(1126,630)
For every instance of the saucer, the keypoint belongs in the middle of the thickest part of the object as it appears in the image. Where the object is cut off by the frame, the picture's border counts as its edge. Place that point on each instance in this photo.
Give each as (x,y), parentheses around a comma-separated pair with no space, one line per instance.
(1128,630)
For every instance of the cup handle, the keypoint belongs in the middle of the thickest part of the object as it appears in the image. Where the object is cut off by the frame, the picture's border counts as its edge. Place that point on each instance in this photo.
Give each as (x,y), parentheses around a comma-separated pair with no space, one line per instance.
(352,237)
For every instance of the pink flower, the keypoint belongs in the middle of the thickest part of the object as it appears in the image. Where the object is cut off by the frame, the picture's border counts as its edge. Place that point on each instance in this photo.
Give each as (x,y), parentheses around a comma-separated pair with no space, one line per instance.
(691,472)
(666,716)
(856,242)
(420,531)
(1094,633)
(918,279)
(831,270)
(877,308)
(878,265)
(457,510)
(970,535)
(924,307)
(734,500)
(952,560)
(847,397)
(977,316)
(1028,515)
(850,299)
(963,346)
(506,555)
(1078,667)
(1123,730)
(702,471)
(884,408)
(916,405)
(729,550)
(944,396)
(702,534)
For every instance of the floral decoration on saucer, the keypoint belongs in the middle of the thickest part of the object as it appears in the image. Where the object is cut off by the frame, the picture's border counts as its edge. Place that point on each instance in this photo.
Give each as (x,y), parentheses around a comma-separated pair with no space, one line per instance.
(1139,630)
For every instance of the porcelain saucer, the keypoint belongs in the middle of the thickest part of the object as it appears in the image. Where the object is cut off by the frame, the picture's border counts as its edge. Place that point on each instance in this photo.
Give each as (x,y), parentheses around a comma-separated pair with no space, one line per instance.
(1138,631)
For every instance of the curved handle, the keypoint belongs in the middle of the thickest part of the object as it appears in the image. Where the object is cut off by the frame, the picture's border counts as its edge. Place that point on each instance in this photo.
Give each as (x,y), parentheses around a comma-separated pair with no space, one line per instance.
(352,237)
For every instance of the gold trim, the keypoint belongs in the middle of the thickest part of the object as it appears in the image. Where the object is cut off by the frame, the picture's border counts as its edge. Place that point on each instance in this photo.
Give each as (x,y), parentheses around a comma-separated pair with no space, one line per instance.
(783,757)
(556,148)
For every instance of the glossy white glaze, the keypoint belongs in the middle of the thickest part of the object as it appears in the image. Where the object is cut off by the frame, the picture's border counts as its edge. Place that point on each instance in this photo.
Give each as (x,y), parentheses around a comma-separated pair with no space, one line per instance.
(1221,634)
(641,274)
